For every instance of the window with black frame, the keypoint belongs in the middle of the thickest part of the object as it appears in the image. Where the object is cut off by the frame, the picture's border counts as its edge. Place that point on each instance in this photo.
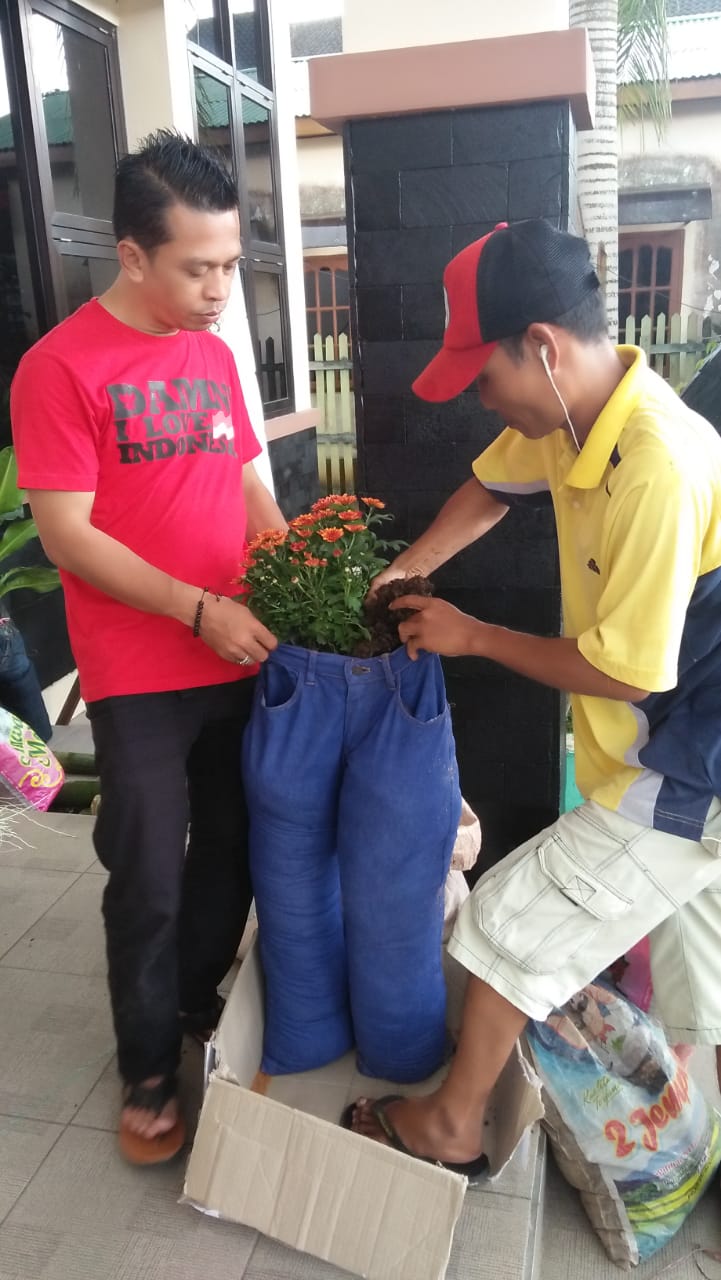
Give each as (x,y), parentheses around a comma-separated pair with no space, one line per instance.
(235,113)
(61,133)
(73,76)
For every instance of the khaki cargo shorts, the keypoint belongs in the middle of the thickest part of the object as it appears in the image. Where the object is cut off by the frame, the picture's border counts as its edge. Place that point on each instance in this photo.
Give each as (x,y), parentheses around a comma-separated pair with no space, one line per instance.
(558,910)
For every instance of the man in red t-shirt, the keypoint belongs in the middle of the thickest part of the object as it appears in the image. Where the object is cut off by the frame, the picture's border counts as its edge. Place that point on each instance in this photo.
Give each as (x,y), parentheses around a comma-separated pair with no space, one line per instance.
(134,443)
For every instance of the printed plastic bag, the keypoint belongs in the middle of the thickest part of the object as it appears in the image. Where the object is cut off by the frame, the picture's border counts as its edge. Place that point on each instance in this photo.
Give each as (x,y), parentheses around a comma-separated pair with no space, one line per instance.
(635,981)
(29,772)
(628,1127)
(468,840)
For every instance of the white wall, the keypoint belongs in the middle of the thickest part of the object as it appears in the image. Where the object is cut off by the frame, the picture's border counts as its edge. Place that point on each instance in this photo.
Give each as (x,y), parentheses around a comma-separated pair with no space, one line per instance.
(378,24)
(321,177)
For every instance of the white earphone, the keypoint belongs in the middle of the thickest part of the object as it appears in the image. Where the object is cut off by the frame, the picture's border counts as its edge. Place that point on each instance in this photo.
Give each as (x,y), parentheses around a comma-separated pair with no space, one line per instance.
(543,354)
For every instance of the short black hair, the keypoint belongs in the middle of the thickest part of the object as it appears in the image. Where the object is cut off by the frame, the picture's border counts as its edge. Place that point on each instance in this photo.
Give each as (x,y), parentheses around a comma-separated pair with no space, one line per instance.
(167,169)
(587,321)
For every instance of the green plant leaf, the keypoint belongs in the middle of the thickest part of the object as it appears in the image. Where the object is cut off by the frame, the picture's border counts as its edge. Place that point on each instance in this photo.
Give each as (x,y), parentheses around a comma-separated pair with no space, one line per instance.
(30,579)
(10,497)
(642,63)
(16,535)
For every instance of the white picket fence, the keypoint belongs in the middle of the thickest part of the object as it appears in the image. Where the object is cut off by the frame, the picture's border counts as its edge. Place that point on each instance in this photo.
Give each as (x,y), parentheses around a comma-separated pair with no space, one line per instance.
(332,393)
(674,346)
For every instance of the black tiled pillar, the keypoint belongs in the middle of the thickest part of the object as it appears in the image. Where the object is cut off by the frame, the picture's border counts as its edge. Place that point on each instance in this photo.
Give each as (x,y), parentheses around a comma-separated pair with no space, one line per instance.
(420,188)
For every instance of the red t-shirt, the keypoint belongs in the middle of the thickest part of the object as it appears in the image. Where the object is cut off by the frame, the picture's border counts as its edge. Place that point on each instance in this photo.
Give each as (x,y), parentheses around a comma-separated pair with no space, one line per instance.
(157,428)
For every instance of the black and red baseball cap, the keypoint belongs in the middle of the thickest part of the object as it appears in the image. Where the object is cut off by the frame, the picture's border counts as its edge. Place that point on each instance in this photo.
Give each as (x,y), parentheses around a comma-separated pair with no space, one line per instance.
(495,288)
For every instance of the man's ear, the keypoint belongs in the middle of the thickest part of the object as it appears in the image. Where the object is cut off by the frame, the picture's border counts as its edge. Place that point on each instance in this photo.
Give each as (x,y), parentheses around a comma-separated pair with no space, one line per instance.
(132,259)
(544,337)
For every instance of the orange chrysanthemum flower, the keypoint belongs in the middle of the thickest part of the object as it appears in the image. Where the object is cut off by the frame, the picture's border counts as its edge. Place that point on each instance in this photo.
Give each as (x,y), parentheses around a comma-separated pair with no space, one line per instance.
(268,538)
(333,500)
(338,537)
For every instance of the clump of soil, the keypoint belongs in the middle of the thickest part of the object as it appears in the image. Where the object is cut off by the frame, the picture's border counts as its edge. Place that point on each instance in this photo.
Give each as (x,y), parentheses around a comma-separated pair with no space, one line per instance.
(382,621)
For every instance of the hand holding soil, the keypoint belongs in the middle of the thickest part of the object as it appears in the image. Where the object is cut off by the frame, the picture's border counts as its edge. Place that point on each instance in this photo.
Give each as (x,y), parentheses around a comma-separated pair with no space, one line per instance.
(433,625)
(383,621)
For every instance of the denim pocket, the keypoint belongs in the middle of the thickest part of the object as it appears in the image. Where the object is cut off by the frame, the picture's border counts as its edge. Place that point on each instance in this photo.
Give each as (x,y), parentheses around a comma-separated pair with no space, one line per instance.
(421,691)
(543,910)
(279,686)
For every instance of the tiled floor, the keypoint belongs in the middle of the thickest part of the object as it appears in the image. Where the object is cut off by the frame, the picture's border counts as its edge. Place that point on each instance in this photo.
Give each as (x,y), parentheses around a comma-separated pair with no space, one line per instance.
(71,1209)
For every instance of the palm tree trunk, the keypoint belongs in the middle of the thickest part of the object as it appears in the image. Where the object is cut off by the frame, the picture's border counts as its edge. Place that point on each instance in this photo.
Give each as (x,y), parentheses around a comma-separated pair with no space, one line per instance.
(597,155)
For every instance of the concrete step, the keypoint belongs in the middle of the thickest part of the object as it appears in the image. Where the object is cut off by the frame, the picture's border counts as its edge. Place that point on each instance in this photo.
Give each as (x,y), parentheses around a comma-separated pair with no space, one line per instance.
(76,736)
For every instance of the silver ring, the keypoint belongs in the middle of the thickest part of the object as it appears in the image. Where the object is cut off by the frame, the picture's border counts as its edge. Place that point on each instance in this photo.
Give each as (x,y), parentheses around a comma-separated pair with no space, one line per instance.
(244,662)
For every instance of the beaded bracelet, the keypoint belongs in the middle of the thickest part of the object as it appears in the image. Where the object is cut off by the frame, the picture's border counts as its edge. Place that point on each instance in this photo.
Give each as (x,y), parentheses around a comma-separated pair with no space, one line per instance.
(199,609)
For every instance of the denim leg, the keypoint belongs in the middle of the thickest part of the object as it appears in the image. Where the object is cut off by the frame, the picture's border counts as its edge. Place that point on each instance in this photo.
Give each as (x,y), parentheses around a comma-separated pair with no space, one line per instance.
(292,759)
(398,816)
(20,690)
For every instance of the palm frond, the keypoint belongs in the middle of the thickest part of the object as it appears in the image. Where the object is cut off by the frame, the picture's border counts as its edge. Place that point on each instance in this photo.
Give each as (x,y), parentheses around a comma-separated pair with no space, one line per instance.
(642,64)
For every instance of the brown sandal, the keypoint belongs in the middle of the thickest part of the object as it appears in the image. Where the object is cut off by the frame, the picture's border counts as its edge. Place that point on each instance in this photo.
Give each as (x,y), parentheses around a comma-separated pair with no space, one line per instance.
(164,1146)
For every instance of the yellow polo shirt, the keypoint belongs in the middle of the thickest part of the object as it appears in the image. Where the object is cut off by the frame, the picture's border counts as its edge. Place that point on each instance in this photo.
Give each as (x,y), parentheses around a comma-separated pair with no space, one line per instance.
(638,516)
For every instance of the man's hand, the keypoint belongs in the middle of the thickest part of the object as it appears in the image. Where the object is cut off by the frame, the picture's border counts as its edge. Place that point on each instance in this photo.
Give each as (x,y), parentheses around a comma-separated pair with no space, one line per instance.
(233,632)
(391,573)
(437,627)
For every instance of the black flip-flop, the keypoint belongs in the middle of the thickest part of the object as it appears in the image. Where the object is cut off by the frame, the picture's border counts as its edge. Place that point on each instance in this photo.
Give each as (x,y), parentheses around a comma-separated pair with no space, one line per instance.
(474,1170)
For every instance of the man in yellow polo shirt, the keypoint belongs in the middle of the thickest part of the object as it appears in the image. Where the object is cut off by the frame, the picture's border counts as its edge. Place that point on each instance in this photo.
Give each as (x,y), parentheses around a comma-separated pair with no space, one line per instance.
(635,481)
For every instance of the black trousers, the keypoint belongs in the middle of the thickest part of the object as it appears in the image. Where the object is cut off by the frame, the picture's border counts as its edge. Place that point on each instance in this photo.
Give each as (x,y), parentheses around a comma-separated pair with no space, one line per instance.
(172,832)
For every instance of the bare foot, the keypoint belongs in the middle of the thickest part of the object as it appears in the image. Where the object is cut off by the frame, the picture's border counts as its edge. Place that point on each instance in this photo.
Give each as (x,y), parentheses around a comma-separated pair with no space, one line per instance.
(145,1123)
(424,1126)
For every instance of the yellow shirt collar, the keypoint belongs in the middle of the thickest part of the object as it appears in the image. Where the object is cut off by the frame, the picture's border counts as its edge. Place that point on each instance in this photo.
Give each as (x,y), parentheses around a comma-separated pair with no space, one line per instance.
(589,467)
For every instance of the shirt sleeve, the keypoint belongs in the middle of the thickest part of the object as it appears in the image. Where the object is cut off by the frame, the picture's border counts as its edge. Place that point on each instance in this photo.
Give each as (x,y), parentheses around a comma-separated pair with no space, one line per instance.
(651,557)
(513,469)
(55,431)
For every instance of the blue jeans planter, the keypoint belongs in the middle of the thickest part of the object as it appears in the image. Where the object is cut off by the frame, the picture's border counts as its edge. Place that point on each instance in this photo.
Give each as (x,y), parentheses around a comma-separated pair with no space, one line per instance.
(352,786)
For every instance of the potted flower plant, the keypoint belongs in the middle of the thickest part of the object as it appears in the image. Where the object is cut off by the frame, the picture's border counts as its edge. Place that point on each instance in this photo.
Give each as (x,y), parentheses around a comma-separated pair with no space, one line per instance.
(352,787)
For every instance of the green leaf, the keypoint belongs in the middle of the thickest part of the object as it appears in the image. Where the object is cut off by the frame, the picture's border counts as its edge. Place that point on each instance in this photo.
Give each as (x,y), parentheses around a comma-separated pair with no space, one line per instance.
(15,537)
(31,579)
(642,63)
(10,496)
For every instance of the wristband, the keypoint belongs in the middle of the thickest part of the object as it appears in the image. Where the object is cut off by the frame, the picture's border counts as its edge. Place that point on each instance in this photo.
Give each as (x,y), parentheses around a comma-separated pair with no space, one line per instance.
(199,610)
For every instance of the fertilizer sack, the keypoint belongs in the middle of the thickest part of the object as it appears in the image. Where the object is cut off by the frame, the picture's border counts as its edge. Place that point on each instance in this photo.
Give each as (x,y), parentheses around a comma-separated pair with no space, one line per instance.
(628,1126)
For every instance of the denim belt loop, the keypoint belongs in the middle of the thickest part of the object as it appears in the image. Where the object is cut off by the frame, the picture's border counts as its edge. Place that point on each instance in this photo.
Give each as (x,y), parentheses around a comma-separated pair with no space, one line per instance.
(310,672)
(388,670)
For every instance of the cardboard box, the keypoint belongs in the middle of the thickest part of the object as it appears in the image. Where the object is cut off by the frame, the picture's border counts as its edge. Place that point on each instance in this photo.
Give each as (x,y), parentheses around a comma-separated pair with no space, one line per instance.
(270,1153)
